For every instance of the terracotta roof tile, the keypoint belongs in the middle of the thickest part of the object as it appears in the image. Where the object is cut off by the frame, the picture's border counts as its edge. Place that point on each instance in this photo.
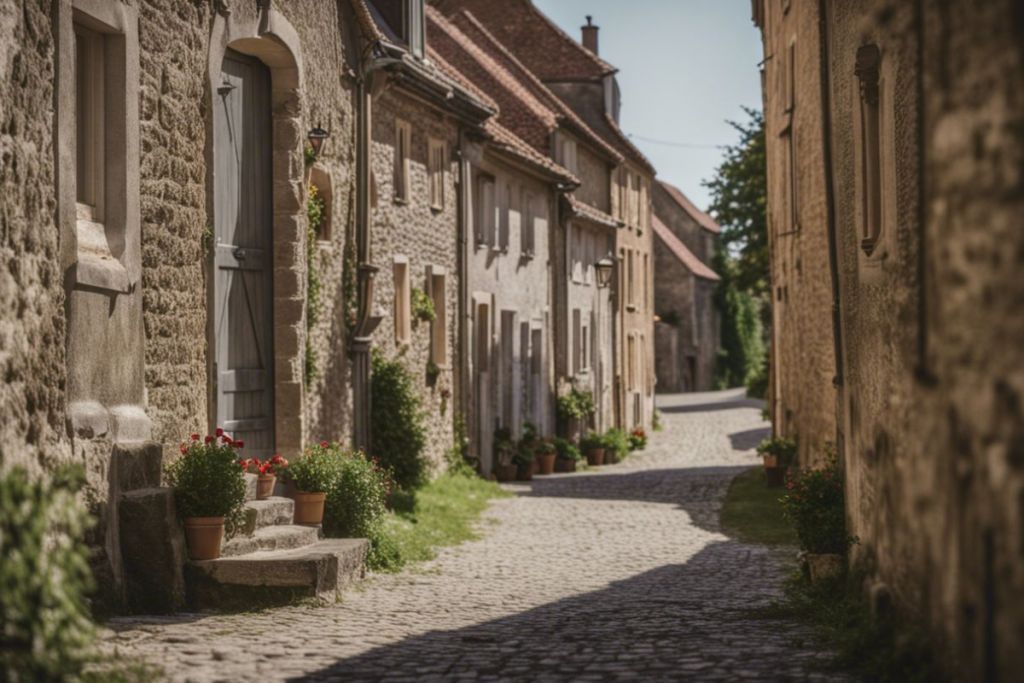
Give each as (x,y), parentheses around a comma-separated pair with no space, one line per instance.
(507,141)
(679,250)
(553,54)
(591,214)
(704,220)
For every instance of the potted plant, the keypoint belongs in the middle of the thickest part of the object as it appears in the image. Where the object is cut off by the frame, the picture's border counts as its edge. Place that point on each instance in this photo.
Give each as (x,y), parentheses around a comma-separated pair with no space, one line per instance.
(524,460)
(544,453)
(575,408)
(504,449)
(266,474)
(313,473)
(814,503)
(209,492)
(778,454)
(637,439)
(592,445)
(567,455)
(616,445)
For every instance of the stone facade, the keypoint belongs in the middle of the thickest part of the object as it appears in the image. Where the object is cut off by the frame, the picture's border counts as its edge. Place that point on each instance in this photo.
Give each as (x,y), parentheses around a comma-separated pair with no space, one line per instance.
(689,325)
(921,154)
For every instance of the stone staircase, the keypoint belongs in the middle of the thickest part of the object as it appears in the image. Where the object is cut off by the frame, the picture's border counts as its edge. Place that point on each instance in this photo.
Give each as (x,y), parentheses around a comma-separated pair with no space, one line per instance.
(273,561)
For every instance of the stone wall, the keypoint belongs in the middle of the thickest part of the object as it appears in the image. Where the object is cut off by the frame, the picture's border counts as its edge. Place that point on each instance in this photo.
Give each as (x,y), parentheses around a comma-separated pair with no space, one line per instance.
(427,238)
(802,400)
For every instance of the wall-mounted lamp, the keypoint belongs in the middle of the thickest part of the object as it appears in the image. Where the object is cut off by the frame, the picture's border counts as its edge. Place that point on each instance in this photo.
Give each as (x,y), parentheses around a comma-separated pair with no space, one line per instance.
(604,268)
(316,137)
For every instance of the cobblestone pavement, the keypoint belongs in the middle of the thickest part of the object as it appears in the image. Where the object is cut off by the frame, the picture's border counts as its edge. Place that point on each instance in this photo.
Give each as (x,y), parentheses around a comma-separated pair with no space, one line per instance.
(619,573)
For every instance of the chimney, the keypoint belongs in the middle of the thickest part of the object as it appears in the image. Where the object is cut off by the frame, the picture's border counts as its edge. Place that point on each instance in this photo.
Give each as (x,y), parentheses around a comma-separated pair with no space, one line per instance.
(590,35)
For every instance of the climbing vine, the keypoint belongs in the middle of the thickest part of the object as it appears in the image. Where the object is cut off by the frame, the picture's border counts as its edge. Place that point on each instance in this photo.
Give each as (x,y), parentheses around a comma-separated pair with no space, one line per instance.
(315,215)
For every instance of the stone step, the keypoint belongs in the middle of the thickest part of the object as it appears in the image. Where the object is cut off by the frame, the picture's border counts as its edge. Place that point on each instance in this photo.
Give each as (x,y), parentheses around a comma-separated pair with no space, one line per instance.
(268,512)
(278,537)
(275,577)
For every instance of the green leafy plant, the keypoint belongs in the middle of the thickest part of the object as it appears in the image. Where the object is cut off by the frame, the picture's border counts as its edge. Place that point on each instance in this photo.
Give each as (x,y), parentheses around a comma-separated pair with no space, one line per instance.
(567,450)
(397,432)
(544,447)
(308,155)
(524,454)
(317,469)
(656,424)
(47,631)
(503,444)
(577,404)
(814,503)
(357,499)
(422,306)
(209,479)
(637,439)
(616,443)
(783,448)
(591,441)
(315,211)
(433,372)
(458,457)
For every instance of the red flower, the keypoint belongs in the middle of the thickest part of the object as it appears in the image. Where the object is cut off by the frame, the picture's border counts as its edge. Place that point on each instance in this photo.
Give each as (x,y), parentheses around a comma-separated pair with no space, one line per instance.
(323,444)
(183,449)
(220,432)
(195,437)
(277,458)
(237,444)
(208,439)
(244,463)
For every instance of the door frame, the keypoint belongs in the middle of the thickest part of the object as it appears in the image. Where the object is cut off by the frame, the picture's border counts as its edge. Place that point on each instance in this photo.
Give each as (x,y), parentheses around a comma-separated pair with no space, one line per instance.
(267,36)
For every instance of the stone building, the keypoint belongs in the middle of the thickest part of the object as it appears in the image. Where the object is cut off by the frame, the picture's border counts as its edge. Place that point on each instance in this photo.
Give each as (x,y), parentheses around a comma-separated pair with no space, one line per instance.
(913,147)
(687,332)
(586,84)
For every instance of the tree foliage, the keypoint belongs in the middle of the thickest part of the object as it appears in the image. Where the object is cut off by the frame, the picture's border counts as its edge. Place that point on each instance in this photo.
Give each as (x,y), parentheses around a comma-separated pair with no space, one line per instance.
(397,432)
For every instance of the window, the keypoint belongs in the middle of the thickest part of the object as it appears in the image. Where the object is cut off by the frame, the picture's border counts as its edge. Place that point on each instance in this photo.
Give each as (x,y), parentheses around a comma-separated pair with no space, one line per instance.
(483,337)
(631,363)
(436,166)
(527,236)
(630,280)
(646,288)
(405,18)
(536,351)
(634,197)
(566,153)
(486,210)
(403,296)
(585,347)
(504,216)
(403,140)
(437,280)
(320,191)
(644,209)
(577,336)
(507,350)
(870,153)
(622,183)
(90,169)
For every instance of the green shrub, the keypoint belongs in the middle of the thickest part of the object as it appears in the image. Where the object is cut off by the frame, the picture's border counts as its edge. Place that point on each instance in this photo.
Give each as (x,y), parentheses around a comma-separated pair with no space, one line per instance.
(356,501)
(578,404)
(757,379)
(783,448)
(44,578)
(209,479)
(591,441)
(422,306)
(397,434)
(317,469)
(458,457)
(566,450)
(814,503)
(656,421)
(616,442)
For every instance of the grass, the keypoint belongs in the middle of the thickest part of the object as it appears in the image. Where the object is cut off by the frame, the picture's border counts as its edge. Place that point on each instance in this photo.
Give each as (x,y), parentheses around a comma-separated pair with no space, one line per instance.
(442,513)
(879,648)
(752,512)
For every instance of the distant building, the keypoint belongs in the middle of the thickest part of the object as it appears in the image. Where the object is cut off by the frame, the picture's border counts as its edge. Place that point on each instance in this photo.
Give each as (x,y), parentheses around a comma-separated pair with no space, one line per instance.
(687,333)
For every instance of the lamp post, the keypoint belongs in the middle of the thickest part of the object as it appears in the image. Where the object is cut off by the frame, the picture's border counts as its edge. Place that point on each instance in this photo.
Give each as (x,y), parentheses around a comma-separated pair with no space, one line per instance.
(604,268)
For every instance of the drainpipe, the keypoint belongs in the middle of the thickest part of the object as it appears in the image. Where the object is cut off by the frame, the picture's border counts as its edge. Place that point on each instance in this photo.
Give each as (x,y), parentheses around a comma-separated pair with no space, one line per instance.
(366,322)
(460,400)
(830,207)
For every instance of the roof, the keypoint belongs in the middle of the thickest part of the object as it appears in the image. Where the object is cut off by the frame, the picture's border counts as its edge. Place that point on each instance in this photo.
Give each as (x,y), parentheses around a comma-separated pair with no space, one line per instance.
(553,54)
(505,140)
(705,221)
(682,254)
(587,212)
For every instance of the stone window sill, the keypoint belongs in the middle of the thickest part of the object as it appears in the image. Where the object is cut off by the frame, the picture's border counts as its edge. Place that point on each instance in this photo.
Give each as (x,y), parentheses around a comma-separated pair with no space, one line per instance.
(96,266)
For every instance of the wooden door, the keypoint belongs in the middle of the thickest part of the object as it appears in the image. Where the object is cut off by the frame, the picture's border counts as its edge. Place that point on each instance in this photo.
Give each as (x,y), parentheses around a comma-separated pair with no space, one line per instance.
(243,305)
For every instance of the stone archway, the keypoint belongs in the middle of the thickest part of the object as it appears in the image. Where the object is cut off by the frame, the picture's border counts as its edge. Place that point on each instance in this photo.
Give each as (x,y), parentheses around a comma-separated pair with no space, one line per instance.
(266,35)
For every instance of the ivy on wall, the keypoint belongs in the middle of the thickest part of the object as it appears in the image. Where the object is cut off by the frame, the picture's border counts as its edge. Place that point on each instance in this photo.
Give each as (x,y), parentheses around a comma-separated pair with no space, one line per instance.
(315,216)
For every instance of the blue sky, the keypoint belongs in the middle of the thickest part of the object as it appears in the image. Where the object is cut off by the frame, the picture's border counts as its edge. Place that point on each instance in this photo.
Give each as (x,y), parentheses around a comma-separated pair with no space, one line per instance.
(685,67)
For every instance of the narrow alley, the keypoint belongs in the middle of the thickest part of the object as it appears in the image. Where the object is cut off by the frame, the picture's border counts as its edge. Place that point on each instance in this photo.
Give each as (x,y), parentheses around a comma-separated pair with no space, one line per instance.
(615,573)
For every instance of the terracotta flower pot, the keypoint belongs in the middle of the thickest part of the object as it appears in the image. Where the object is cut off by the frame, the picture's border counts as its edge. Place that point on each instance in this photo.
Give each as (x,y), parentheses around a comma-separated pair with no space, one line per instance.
(265,486)
(824,565)
(565,465)
(505,472)
(525,472)
(595,457)
(309,507)
(534,466)
(770,460)
(204,536)
(546,463)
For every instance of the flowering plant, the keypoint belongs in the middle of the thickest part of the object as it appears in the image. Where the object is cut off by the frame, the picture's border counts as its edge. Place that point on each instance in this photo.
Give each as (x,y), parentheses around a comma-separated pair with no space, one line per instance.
(275,465)
(207,480)
(782,448)
(814,502)
(637,439)
(316,470)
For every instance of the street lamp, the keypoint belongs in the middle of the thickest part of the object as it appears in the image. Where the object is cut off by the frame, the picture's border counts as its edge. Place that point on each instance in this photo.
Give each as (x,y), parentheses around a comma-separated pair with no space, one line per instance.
(316,138)
(604,271)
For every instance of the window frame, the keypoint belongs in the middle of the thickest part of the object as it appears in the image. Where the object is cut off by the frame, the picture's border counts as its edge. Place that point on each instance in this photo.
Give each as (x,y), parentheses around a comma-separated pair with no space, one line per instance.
(401,172)
(436,160)
(402,302)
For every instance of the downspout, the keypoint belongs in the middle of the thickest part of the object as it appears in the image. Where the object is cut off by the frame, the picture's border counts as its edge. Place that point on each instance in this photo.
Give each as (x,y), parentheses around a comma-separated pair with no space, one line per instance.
(830,208)
(461,389)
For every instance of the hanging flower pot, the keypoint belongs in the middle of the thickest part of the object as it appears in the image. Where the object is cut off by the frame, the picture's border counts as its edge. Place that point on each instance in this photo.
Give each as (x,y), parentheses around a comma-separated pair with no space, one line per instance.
(204,536)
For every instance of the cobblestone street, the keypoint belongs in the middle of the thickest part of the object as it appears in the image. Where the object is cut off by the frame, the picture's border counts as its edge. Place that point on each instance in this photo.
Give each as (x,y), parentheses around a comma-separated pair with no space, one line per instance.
(611,574)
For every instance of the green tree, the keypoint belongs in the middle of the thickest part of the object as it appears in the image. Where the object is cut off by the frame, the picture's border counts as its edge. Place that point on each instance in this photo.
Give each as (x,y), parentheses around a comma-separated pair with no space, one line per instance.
(738,202)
